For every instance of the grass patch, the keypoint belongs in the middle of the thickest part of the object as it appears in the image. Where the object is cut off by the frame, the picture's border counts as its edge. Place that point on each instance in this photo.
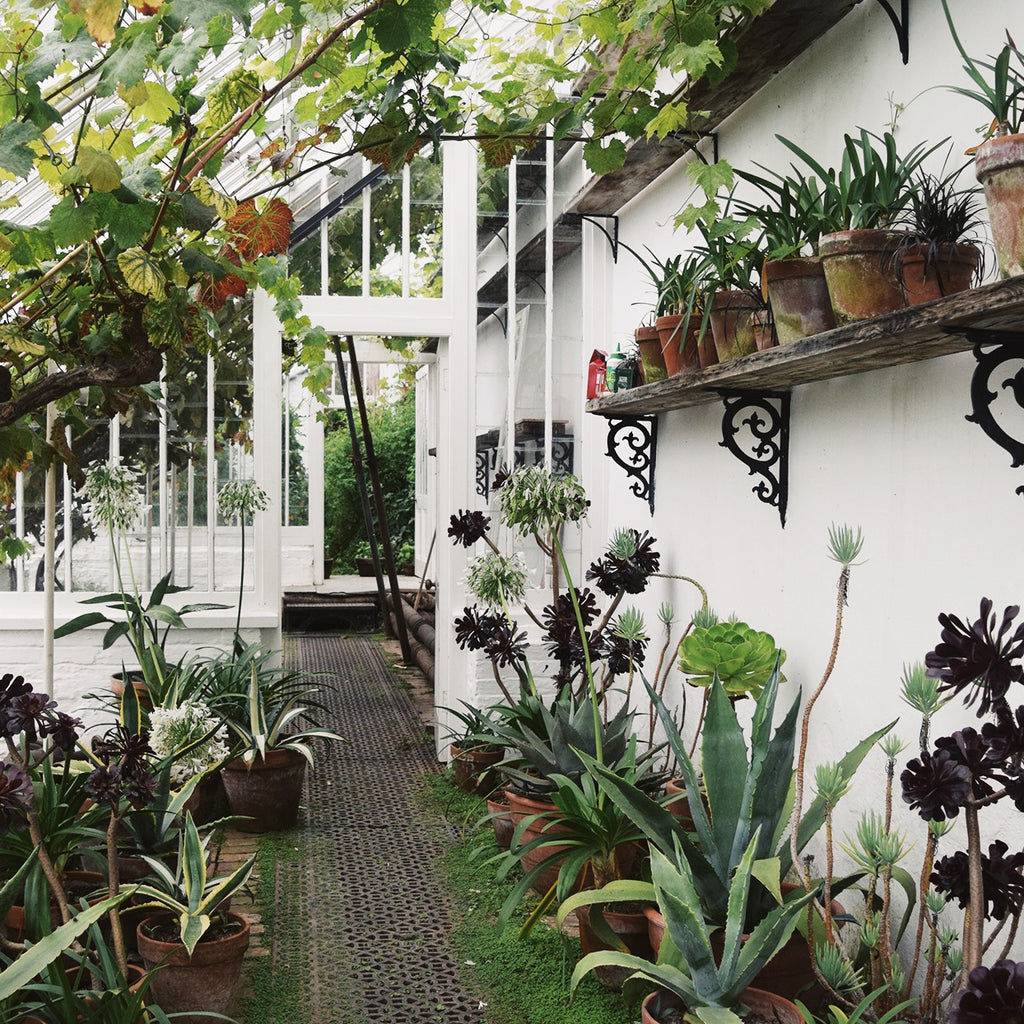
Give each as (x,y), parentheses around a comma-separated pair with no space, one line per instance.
(522,981)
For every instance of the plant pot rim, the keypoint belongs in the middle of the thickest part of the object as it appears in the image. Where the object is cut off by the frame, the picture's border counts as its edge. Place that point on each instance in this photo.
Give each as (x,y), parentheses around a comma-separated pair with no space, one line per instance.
(759,995)
(277,757)
(998,153)
(870,239)
(646,332)
(207,941)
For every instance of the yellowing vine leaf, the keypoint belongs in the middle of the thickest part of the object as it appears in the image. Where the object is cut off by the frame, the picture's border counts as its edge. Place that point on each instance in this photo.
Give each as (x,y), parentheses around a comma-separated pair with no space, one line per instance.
(224,205)
(141,272)
(100,17)
(99,169)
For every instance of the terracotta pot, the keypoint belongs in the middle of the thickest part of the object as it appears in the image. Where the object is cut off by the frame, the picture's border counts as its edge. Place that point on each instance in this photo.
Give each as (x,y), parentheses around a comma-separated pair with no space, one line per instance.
(950,272)
(861,273)
(731,327)
(707,354)
(680,807)
(631,928)
(772,1007)
(209,800)
(763,328)
(77,884)
(678,342)
(502,823)
(474,768)
(202,983)
(267,792)
(521,807)
(798,294)
(999,166)
(655,928)
(651,359)
(138,681)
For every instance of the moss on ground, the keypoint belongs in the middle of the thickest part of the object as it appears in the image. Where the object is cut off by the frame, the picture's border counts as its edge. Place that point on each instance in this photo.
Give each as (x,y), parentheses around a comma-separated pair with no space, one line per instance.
(522,981)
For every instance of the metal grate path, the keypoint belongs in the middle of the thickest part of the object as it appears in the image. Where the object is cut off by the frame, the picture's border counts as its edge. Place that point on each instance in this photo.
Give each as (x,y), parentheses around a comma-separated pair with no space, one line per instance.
(365,897)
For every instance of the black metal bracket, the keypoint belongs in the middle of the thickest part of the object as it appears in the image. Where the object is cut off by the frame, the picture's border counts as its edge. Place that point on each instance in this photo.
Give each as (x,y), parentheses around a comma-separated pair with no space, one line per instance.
(900,22)
(595,219)
(1003,347)
(755,428)
(633,445)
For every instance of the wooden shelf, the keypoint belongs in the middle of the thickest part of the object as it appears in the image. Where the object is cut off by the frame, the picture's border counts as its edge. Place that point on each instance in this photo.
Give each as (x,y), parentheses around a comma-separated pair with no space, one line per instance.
(907,336)
(765,46)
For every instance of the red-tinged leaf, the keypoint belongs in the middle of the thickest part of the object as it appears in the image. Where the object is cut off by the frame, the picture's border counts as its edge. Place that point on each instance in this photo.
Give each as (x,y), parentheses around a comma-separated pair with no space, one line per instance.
(147,6)
(261,231)
(215,293)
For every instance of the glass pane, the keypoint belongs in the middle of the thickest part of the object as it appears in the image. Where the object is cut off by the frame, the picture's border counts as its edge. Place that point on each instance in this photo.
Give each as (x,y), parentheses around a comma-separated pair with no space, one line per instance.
(426,232)
(304,260)
(295,478)
(386,236)
(91,564)
(345,250)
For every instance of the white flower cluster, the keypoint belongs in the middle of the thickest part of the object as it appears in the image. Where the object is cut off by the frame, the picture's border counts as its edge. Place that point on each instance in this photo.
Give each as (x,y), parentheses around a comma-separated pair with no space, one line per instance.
(113,493)
(242,497)
(174,729)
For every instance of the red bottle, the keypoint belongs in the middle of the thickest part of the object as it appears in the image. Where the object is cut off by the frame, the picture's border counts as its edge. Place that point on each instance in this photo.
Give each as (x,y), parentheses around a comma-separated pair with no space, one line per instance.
(596,383)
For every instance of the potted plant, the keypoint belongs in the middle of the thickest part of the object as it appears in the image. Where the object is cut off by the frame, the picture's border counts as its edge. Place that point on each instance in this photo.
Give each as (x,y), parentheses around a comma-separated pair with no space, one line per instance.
(999,163)
(264,782)
(196,942)
(939,255)
(863,201)
(475,748)
(733,257)
(114,500)
(793,219)
(689,979)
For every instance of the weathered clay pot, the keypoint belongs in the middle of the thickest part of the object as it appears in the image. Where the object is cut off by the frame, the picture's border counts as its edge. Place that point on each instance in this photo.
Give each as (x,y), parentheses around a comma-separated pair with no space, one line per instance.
(651,359)
(209,800)
(678,342)
(861,273)
(473,767)
(769,1005)
(138,681)
(950,272)
(266,793)
(203,983)
(731,326)
(798,294)
(999,166)
(631,928)
(763,328)
(502,822)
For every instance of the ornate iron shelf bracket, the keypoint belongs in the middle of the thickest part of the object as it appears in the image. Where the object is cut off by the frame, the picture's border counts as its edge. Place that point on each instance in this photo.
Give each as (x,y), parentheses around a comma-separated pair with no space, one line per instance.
(755,428)
(900,22)
(1002,347)
(633,445)
(595,219)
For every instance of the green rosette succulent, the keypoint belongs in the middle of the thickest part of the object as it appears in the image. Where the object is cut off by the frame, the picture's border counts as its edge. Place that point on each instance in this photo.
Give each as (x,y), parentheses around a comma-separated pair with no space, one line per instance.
(741,657)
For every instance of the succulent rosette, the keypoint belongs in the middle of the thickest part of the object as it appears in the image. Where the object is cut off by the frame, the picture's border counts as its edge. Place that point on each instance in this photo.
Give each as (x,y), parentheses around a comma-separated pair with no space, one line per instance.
(741,657)
(994,995)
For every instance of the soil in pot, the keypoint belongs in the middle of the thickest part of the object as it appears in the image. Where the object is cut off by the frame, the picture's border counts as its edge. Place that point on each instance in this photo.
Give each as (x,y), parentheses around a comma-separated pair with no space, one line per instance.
(999,166)
(861,273)
(651,359)
(266,793)
(765,1008)
(207,981)
(952,270)
(799,298)
(630,926)
(731,326)
(474,768)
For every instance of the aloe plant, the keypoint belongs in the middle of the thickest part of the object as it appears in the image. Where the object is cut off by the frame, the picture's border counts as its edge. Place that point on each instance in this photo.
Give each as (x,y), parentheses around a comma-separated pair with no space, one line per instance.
(750,792)
(687,967)
(187,892)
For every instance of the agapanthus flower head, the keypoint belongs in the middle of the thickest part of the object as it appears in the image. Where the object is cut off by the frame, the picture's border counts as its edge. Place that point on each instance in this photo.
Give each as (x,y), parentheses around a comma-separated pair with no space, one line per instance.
(495,579)
(467,527)
(532,499)
(242,498)
(936,785)
(190,734)
(994,995)
(979,658)
(1002,882)
(15,796)
(114,496)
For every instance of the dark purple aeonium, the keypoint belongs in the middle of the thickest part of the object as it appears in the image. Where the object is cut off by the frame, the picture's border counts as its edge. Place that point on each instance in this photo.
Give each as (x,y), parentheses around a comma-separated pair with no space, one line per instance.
(979,658)
(936,785)
(994,995)
(1002,882)
(15,796)
(468,527)
(614,574)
